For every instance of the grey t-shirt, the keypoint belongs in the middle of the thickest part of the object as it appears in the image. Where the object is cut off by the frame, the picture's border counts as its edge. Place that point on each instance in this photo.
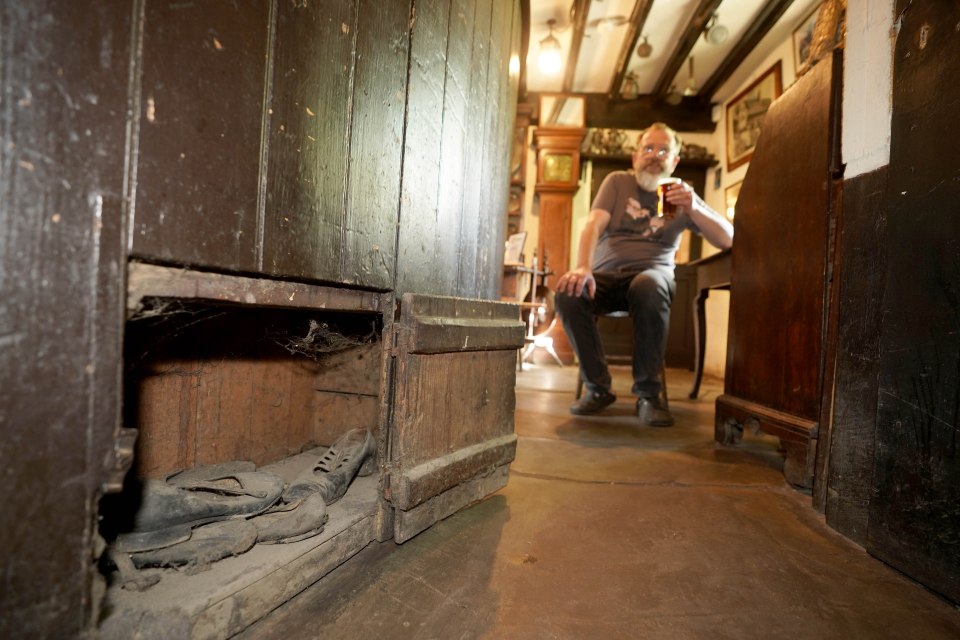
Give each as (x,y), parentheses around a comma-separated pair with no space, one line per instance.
(635,243)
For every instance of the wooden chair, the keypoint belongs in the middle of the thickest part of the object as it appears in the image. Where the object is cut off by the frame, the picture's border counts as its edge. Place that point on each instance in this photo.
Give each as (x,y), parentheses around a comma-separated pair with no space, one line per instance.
(663,366)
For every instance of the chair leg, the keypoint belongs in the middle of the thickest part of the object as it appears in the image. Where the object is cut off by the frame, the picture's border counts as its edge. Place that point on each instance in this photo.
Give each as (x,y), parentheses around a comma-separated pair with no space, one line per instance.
(663,386)
(553,352)
(579,386)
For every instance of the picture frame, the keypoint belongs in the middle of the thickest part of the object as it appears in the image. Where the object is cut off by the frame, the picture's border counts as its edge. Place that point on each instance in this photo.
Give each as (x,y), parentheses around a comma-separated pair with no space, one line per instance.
(803,41)
(561,110)
(730,195)
(513,250)
(745,112)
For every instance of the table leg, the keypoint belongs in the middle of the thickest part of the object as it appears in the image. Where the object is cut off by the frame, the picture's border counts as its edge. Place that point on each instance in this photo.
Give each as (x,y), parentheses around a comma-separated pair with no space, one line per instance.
(699,338)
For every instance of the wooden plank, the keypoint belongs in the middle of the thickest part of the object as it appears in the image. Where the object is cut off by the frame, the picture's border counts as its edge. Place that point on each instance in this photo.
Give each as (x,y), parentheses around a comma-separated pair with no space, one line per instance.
(414,305)
(852,441)
(432,478)
(433,324)
(502,101)
(442,335)
(64,82)
(201,109)
(447,234)
(154,281)
(309,151)
(914,517)
(418,268)
(450,401)
(407,524)
(376,144)
(475,137)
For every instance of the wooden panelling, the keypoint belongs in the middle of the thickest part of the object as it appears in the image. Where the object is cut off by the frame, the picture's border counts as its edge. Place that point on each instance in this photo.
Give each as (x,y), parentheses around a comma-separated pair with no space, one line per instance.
(499,114)
(419,231)
(201,106)
(376,144)
(63,82)
(336,132)
(475,133)
(914,519)
(452,200)
(853,431)
(309,151)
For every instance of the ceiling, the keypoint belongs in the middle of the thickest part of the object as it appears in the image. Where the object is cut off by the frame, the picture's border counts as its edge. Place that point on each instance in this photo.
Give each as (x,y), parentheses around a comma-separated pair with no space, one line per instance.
(599,40)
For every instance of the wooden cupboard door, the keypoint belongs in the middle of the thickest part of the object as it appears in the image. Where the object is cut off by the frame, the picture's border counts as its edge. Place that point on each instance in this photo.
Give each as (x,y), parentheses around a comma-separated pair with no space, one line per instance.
(452,421)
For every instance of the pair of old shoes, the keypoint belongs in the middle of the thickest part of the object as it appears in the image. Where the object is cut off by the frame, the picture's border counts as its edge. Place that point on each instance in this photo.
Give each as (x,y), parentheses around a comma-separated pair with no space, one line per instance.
(196,517)
(651,411)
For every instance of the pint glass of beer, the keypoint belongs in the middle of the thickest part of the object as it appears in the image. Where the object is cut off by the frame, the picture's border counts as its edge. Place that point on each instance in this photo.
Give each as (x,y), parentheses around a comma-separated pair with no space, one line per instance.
(666,209)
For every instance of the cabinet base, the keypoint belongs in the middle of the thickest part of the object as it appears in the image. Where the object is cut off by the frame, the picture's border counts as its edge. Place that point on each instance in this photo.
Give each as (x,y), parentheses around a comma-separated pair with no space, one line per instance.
(797,435)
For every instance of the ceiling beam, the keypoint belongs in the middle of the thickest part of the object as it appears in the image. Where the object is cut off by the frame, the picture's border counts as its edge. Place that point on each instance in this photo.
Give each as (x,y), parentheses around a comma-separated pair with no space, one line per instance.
(578,16)
(765,20)
(613,113)
(638,19)
(602,111)
(694,30)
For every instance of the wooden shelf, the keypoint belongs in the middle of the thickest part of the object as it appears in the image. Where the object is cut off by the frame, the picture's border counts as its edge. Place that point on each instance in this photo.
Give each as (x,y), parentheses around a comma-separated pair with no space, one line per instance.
(153,281)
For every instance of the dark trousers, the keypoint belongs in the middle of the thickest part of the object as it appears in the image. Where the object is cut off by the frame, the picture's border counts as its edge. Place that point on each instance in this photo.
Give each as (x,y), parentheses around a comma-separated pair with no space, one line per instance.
(646,295)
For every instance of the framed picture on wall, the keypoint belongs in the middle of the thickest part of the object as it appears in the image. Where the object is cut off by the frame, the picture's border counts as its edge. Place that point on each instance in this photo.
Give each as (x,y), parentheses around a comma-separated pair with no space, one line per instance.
(745,115)
(730,195)
(803,40)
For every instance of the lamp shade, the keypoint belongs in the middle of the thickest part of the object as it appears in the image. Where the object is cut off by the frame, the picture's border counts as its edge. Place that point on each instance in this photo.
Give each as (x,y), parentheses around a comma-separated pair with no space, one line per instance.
(550,60)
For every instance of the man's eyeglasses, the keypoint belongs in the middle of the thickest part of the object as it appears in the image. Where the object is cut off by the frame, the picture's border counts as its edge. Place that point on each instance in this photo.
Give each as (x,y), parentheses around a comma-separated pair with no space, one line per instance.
(661,152)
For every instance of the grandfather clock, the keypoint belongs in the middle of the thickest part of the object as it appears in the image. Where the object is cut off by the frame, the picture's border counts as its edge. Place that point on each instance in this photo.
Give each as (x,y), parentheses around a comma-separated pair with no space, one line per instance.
(558,174)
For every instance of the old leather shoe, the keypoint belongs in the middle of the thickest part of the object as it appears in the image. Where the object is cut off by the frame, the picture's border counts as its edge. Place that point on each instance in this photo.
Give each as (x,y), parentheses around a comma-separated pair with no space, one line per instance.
(652,412)
(592,402)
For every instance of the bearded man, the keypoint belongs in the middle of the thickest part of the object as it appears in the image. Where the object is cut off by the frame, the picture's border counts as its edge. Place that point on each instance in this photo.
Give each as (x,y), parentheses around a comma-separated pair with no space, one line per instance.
(626,263)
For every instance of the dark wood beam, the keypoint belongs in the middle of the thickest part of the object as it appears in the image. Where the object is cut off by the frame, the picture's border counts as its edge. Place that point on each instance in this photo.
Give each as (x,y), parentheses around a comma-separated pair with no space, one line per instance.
(638,19)
(604,112)
(578,17)
(768,16)
(694,30)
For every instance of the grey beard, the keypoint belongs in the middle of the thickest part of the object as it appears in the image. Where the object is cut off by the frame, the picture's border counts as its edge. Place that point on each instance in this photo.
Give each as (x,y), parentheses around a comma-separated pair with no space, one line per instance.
(647,181)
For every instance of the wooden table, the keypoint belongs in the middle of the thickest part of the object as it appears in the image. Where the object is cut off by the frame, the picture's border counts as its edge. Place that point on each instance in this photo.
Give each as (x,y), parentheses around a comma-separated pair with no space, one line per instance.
(713,272)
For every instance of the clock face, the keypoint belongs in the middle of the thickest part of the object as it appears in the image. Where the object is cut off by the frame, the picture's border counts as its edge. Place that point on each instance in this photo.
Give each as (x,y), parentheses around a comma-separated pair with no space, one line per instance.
(557,167)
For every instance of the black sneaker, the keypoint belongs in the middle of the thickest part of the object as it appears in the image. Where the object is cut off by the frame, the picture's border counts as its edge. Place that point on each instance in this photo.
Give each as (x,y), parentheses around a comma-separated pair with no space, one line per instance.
(591,403)
(652,413)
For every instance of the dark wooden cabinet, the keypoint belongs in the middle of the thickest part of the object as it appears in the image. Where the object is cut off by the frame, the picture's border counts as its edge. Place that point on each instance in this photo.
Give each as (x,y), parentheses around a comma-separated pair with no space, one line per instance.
(777,346)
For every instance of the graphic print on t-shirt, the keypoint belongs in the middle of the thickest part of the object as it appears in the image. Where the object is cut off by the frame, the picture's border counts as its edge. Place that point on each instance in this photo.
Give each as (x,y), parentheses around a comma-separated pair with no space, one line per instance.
(641,222)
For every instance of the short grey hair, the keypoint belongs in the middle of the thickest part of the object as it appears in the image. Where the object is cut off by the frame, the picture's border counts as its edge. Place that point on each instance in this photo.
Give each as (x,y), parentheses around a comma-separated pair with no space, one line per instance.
(676,144)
